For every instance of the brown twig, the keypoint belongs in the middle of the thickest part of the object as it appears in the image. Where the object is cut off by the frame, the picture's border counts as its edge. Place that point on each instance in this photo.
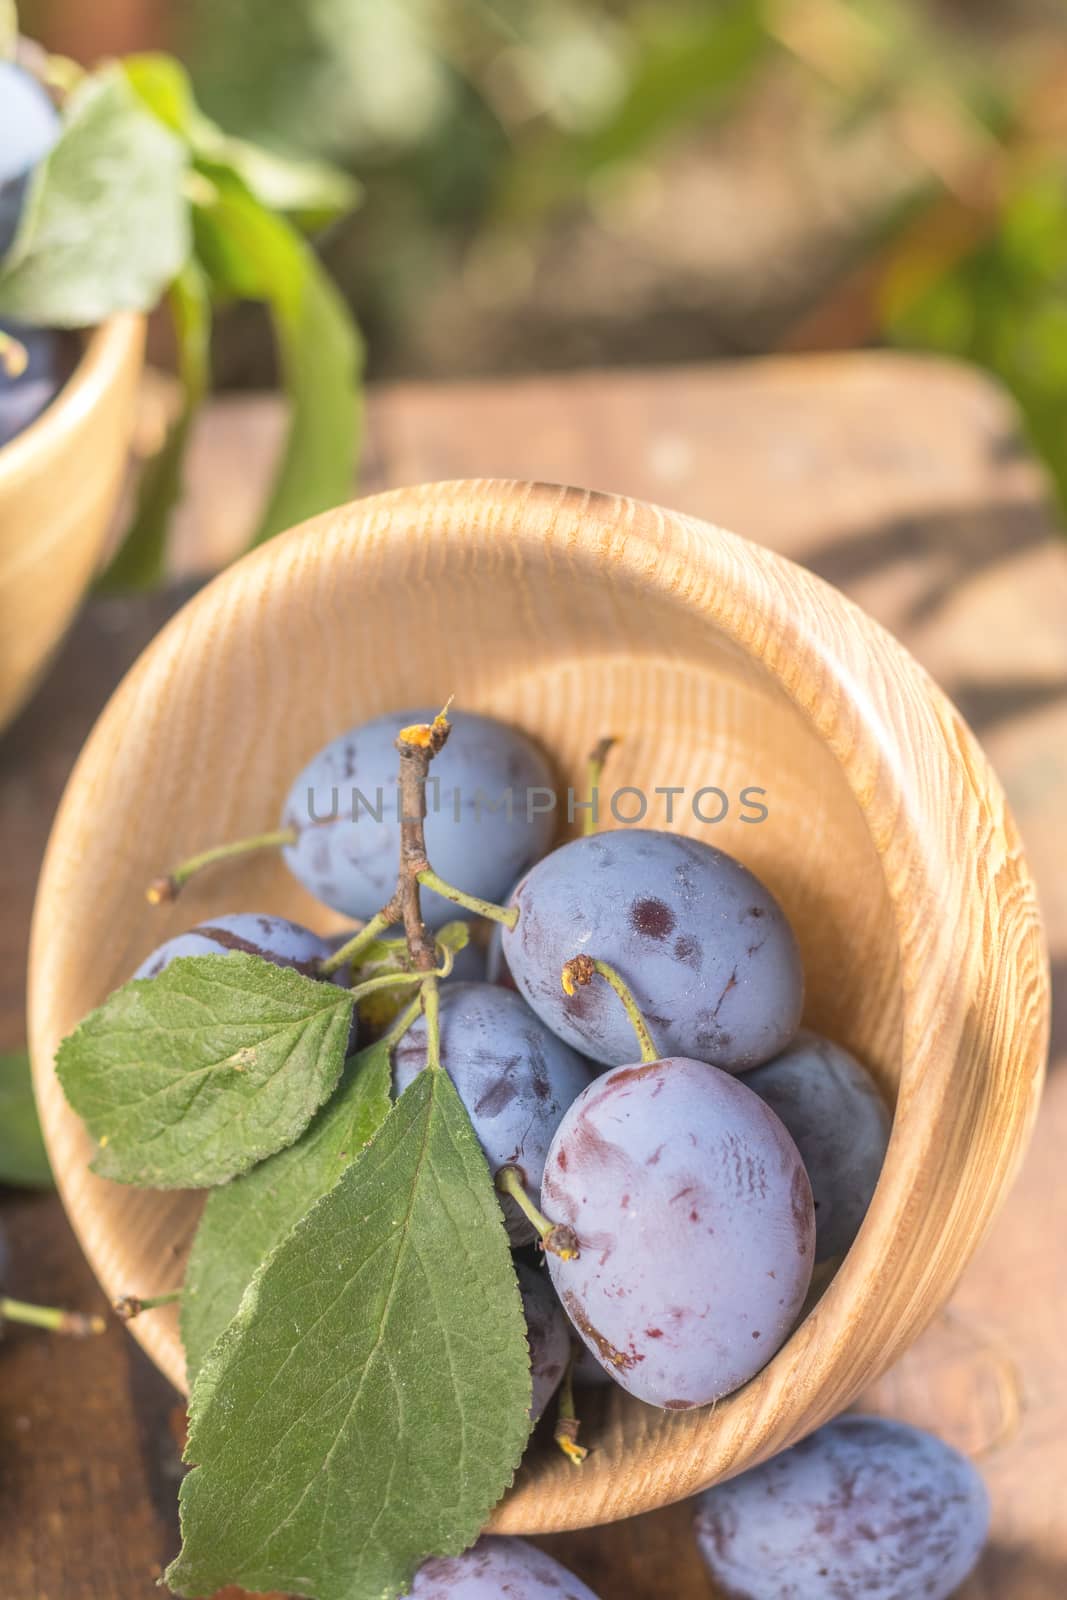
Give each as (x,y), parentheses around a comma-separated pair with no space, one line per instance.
(417,744)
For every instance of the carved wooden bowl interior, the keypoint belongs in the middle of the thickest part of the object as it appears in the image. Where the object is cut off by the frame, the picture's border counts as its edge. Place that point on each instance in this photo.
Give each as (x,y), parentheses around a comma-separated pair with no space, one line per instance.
(574,615)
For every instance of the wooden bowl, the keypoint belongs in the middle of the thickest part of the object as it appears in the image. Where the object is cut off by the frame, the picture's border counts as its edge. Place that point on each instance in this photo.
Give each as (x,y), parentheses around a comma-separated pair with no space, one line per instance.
(573,615)
(59,483)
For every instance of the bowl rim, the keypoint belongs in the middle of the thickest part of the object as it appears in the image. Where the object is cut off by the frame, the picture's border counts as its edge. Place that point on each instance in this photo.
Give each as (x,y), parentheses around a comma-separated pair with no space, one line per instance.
(968,1070)
(104,356)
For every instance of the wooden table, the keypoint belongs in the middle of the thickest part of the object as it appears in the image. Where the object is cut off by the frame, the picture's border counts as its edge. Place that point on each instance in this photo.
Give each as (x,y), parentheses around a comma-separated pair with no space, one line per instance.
(902,480)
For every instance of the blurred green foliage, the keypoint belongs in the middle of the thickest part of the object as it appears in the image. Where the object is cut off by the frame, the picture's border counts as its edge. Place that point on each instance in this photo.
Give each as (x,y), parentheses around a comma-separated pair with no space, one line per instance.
(1003,305)
(493,121)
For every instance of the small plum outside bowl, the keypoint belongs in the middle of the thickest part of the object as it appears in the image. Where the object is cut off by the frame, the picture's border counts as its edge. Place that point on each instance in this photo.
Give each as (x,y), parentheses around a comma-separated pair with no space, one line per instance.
(59,485)
(718,664)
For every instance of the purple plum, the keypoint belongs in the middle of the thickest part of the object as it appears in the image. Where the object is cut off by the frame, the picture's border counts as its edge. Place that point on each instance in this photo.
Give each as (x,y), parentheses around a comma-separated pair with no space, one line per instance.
(514,1076)
(548,1334)
(695,1228)
(489,804)
(863,1508)
(498,1569)
(840,1124)
(701,942)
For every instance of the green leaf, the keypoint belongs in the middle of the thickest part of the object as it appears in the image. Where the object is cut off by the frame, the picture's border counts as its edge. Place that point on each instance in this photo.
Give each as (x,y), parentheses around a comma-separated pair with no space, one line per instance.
(367,1406)
(249,252)
(454,936)
(140,561)
(191,1077)
(23,1159)
(244,1220)
(106,225)
(314,191)
(383,956)
(162,84)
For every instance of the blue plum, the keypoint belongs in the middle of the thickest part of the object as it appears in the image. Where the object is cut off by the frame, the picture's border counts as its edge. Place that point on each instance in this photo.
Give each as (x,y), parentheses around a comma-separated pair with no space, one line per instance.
(275,939)
(498,1569)
(864,1507)
(839,1123)
(285,943)
(547,1333)
(50,359)
(344,806)
(29,127)
(695,1229)
(588,1372)
(701,942)
(514,1076)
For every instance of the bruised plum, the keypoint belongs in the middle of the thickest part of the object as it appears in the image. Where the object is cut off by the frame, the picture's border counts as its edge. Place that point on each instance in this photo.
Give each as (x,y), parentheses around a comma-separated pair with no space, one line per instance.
(514,1076)
(695,1229)
(498,1569)
(703,945)
(547,1334)
(275,939)
(840,1124)
(863,1508)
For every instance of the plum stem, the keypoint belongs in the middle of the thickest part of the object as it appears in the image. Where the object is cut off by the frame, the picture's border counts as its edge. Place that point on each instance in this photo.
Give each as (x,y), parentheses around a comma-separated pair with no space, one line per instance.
(508,915)
(567,1420)
(556,1237)
(77,1324)
(128,1306)
(163,890)
(580,970)
(346,955)
(594,771)
(402,1023)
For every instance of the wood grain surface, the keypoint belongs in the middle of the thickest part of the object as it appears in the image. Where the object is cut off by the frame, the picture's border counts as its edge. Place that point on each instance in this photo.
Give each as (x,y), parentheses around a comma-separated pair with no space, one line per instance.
(905,483)
(59,482)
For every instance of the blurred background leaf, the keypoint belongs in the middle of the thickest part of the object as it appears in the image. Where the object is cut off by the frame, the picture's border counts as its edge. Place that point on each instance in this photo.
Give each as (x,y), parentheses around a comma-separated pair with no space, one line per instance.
(23,1161)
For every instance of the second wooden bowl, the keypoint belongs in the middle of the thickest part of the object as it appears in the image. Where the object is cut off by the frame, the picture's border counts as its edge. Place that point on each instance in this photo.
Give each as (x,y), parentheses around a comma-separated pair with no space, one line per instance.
(574,615)
(59,484)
